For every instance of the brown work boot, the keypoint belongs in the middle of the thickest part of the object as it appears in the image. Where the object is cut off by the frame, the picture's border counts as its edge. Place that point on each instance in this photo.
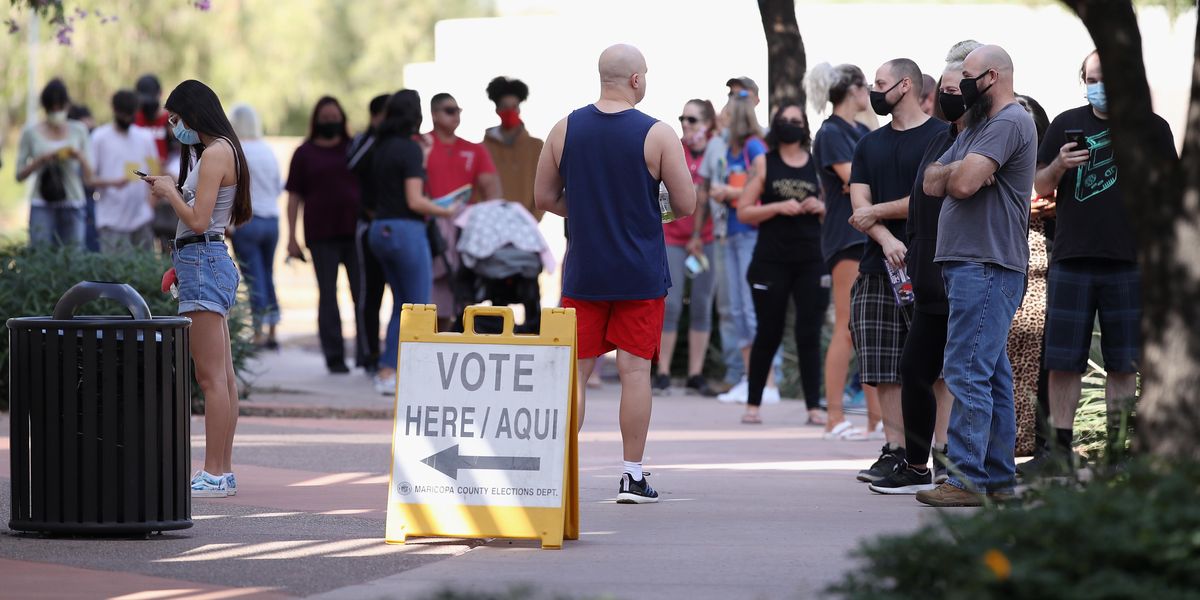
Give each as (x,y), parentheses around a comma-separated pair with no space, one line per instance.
(948,495)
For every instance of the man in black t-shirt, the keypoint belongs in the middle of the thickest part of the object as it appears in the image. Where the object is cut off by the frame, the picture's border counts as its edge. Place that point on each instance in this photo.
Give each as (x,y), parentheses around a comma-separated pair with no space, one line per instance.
(881,177)
(1093,267)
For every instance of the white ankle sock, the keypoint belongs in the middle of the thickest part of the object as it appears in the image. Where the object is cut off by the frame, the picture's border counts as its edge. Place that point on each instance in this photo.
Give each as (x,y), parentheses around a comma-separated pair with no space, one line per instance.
(634,470)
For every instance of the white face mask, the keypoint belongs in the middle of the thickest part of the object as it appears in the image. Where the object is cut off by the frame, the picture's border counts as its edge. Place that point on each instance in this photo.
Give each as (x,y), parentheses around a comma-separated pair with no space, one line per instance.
(57,117)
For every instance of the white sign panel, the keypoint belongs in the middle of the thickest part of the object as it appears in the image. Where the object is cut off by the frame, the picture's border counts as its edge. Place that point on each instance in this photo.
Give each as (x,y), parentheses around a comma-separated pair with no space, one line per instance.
(481,425)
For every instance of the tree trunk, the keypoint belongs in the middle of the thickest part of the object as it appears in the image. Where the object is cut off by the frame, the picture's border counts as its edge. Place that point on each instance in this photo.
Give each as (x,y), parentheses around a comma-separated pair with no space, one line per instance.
(785,52)
(1162,194)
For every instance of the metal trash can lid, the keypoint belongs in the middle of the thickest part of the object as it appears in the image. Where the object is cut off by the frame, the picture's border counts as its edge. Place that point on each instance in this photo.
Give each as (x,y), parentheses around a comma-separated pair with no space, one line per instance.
(87,291)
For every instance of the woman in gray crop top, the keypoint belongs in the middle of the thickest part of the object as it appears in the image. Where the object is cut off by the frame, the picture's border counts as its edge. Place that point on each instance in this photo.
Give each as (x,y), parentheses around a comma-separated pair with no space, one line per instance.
(214,195)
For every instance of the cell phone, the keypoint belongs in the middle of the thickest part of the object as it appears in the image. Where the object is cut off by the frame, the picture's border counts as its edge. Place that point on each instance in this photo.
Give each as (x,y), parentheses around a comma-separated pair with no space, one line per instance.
(1076,136)
(140,174)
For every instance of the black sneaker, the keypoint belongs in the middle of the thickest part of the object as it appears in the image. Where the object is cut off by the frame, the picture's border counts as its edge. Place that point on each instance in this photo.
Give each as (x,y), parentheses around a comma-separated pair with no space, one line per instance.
(698,385)
(661,384)
(636,492)
(940,460)
(1049,465)
(889,461)
(906,480)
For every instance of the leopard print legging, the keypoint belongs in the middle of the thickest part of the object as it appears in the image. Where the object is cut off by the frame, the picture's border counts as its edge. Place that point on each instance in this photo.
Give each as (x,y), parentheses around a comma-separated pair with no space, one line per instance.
(1025,338)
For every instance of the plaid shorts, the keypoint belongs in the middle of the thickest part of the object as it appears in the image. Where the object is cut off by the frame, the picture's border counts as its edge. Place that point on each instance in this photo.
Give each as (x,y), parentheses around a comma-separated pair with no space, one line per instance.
(878,327)
(1076,291)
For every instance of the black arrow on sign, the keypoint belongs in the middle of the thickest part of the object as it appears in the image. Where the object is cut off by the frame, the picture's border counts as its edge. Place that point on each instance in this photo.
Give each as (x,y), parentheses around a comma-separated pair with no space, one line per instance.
(449,461)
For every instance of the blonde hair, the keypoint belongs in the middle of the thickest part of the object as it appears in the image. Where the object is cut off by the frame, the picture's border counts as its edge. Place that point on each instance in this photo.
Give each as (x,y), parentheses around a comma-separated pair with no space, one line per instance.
(958,54)
(245,121)
(743,124)
(825,83)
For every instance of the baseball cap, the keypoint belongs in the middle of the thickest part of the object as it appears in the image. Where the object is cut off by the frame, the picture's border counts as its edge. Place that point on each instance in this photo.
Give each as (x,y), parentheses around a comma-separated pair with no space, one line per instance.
(745,82)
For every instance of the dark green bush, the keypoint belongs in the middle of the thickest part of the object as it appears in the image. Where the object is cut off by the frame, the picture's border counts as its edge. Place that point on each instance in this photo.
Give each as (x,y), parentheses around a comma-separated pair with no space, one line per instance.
(1135,534)
(32,281)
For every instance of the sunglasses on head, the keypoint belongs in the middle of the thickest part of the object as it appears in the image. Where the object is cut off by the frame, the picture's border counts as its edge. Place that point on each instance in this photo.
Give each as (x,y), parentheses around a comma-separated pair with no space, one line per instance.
(740,94)
(689,120)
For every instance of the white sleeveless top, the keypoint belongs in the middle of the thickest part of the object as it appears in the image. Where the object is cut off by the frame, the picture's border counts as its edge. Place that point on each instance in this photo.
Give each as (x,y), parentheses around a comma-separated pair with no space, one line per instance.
(222,215)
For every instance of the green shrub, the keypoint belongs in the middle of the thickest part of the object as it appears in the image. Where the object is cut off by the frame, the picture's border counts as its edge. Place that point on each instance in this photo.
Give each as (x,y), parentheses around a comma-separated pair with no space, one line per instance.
(32,280)
(1135,534)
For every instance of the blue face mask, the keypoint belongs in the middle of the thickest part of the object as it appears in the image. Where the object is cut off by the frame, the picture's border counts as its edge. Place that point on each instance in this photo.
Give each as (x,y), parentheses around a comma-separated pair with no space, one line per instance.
(187,137)
(1096,97)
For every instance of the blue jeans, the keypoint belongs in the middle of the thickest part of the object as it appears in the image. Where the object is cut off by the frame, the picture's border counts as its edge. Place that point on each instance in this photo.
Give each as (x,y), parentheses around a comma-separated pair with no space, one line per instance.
(402,249)
(57,225)
(983,424)
(254,244)
(739,249)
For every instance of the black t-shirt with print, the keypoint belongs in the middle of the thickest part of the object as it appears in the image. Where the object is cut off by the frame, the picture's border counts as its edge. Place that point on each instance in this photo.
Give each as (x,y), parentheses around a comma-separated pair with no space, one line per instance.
(1092,220)
(887,161)
(782,238)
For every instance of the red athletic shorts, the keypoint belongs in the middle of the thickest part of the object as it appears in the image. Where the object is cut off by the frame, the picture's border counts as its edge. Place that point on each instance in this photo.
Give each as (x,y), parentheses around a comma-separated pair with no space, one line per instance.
(634,326)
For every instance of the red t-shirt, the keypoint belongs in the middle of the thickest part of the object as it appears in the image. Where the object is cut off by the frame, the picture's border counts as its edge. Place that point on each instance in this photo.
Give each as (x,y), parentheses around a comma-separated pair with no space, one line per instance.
(679,231)
(158,130)
(452,166)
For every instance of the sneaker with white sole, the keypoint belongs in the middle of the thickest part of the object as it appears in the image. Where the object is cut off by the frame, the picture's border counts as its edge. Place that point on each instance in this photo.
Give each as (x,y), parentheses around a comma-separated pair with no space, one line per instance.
(770,395)
(231,484)
(206,485)
(904,480)
(877,434)
(636,492)
(737,394)
(386,386)
(846,432)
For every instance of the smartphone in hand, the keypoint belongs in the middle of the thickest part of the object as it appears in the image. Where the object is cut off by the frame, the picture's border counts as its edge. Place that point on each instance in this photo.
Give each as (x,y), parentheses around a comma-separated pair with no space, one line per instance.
(1076,137)
(140,174)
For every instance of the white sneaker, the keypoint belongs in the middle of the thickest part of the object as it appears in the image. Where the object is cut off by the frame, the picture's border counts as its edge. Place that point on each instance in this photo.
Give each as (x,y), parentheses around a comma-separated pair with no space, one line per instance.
(878,433)
(845,431)
(770,395)
(205,485)
(386,386)
(737,394)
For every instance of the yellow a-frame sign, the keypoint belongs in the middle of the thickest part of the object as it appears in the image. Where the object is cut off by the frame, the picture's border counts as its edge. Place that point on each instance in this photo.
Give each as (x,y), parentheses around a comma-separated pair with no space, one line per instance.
(484,441)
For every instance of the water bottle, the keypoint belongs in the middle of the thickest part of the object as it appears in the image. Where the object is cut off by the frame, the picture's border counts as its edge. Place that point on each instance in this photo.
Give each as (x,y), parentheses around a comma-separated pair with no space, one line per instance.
(664,203)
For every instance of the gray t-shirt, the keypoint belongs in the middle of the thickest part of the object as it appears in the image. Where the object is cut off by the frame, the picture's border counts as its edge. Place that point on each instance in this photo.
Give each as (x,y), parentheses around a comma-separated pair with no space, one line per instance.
(992,226)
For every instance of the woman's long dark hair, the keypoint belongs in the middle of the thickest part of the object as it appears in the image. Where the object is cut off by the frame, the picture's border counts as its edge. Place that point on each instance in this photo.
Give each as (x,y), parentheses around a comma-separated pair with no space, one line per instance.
(200,109)
(403,115)
(773,139)
(312,121)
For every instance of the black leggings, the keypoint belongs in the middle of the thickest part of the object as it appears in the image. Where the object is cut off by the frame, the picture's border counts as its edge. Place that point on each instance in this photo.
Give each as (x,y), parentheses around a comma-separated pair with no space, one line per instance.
(920,366)
(771,284)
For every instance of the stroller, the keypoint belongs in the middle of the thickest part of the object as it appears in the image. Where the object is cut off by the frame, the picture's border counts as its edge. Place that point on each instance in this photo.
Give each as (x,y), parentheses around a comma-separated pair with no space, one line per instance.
(502,253)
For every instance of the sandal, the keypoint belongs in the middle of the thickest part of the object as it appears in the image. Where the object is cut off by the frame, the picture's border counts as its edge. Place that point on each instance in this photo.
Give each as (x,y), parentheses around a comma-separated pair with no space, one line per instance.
(749,419)
(845,432)
(815,418)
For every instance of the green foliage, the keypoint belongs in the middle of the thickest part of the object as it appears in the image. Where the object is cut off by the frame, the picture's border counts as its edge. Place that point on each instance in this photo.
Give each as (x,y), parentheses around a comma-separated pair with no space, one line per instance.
(1134,535)
(278,56)
(32,280)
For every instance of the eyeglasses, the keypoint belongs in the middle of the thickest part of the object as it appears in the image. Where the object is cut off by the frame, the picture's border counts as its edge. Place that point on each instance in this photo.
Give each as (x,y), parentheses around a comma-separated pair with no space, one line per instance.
(451,110)
(688,120)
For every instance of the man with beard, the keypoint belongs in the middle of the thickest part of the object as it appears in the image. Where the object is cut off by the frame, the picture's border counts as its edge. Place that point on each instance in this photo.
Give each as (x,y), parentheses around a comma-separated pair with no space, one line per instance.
(123,206)
(986,176)
(881,178)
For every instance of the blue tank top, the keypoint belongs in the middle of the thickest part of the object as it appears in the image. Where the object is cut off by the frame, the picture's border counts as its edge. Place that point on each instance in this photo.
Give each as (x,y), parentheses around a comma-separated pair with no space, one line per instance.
(617,250)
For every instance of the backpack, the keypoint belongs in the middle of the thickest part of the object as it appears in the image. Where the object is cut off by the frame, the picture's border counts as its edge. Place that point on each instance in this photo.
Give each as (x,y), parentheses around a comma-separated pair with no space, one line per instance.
(52,183)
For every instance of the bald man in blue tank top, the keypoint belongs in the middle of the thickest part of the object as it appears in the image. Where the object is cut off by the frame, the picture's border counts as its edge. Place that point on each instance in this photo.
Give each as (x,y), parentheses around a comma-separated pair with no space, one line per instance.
(602,166)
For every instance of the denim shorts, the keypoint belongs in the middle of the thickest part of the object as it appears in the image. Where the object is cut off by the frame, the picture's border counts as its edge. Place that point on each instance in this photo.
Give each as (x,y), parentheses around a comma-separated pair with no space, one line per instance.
(208,279)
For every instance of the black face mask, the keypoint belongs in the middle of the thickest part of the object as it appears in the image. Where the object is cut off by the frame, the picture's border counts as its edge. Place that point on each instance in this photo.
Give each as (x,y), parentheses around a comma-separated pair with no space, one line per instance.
(953,107)
(879,102)
(329,130)
(787,133)
(970,89)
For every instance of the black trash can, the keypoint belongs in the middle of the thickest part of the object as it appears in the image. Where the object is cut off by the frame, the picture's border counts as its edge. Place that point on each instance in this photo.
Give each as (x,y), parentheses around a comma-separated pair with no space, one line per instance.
(100,411)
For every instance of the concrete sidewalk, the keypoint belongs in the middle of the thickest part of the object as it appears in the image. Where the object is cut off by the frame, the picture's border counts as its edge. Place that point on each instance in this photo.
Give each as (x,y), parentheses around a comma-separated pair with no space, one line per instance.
(767,511)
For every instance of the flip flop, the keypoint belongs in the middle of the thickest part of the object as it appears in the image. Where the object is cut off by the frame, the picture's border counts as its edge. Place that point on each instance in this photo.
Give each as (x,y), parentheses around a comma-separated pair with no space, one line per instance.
(751,420)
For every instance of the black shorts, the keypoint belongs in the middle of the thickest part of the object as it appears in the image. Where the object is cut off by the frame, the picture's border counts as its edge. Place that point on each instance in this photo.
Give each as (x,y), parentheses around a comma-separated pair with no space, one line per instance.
(1076,292)
(854,253)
